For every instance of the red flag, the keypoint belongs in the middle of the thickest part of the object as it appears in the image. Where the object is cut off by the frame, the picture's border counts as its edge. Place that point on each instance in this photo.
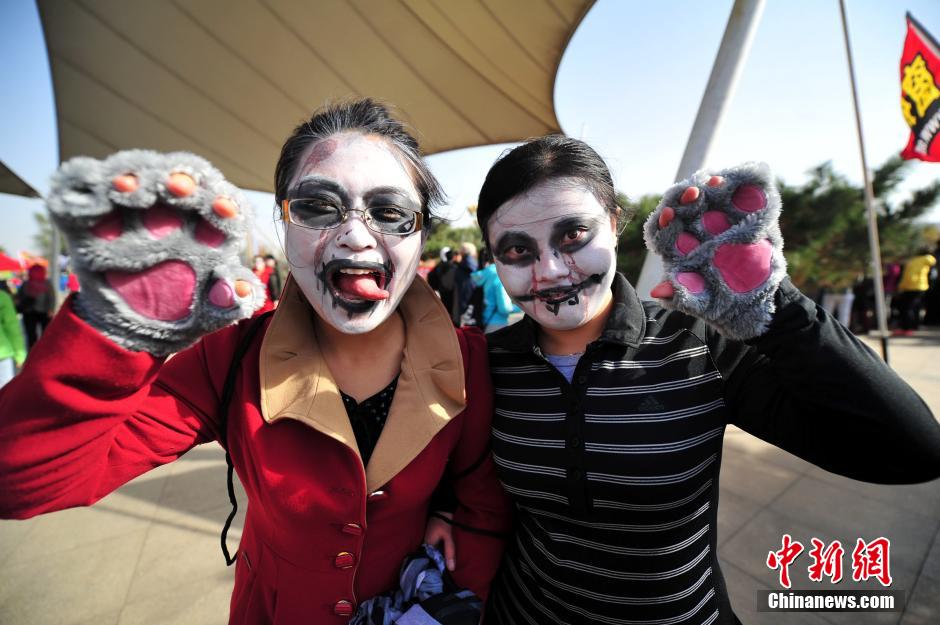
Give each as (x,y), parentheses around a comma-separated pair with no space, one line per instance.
(920,92)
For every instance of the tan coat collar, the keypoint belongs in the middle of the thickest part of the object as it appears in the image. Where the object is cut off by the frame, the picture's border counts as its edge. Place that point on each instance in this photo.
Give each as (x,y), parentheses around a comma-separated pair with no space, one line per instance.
(296,382)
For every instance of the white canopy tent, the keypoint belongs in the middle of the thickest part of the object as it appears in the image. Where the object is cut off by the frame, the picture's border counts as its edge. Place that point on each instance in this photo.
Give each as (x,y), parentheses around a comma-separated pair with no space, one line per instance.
(229,79)
(12,184)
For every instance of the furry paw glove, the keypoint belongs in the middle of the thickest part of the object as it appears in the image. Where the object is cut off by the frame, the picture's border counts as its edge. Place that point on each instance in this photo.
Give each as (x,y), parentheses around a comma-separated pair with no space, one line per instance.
(721,247)
(154,240)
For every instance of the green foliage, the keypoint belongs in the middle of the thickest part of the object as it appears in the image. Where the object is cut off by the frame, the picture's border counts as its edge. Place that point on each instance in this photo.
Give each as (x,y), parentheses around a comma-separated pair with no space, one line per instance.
(444,235)
(631,249)
(43,237)
(825,225)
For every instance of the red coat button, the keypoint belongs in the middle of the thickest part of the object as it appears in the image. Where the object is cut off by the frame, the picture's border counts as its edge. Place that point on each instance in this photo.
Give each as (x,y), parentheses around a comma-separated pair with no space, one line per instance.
(353,529)
(344,560)
(378,495)
(343,608)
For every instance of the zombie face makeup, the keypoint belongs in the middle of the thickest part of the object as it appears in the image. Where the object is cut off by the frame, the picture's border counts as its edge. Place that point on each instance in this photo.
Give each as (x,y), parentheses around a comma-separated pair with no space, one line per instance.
(555,253)
(355,274)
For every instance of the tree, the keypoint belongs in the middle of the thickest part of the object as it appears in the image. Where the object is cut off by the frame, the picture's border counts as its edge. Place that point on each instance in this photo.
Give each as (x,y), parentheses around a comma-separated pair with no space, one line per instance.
(43,237)
(825,225)
(631,249)
(444,235)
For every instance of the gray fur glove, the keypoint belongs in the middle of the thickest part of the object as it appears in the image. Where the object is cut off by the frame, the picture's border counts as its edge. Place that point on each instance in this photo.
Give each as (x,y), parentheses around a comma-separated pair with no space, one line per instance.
(721,247)
(154,240)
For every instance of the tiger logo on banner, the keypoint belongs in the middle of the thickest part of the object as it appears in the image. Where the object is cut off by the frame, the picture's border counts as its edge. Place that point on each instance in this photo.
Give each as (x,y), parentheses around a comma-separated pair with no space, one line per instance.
(920,92)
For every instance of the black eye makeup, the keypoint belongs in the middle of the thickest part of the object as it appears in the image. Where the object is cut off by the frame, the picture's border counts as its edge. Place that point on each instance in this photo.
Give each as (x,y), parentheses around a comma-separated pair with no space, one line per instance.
(321,188)
(516,248)
(571,234)
(392,197)
(325,189)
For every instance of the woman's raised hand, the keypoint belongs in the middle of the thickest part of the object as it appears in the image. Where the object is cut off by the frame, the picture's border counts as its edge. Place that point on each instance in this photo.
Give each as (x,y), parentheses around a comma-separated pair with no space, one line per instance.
(154,240)
(721,247)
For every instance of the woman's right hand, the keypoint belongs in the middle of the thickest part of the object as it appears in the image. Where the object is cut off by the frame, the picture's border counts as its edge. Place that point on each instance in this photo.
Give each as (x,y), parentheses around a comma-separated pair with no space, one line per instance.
(155,241)
(440,531)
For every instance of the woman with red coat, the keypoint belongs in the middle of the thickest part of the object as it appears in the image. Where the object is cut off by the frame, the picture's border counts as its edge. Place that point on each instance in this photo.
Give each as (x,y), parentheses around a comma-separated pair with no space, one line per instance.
(340,411)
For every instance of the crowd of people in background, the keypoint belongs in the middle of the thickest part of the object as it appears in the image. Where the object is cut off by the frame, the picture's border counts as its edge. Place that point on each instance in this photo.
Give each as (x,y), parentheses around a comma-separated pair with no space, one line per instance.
(912,296)
(266,269)
(24,315)
(467,283)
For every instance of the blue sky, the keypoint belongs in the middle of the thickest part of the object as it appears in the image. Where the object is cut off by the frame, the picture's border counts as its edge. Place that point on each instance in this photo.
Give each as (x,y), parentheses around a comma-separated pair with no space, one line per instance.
(629,84)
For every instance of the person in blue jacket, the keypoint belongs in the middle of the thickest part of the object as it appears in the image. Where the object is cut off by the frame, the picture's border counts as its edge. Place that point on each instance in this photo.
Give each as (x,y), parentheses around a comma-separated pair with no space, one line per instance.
(496,303)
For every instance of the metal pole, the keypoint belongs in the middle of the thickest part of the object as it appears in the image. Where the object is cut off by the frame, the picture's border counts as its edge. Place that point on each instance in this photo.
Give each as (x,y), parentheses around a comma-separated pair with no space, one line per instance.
(869,200)
(735,44)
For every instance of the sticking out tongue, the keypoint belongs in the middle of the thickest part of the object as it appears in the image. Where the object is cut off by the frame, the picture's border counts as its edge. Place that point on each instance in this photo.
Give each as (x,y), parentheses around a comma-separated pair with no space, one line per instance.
(363,286)
(164,291)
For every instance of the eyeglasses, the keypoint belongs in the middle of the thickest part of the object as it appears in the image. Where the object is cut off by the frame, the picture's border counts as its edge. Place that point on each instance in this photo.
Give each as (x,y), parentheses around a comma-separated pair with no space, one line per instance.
(319,214)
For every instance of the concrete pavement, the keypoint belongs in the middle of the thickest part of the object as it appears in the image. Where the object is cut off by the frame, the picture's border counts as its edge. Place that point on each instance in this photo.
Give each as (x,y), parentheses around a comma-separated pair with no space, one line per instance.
(149,553)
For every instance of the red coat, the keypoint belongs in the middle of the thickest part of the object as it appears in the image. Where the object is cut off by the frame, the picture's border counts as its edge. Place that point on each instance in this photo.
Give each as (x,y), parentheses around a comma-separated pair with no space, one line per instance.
(321,532)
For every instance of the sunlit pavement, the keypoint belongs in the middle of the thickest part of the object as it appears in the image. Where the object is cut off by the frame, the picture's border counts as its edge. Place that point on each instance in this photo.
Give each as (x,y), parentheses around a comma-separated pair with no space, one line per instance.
(149,553)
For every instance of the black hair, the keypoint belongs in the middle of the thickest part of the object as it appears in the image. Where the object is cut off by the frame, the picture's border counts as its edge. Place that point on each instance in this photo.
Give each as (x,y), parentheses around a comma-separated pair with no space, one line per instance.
(537,160)
(368,117)
(270,257)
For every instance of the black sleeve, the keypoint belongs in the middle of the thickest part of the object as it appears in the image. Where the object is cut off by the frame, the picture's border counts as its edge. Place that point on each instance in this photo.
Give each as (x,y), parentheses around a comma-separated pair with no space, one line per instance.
(810,387)
(444,497)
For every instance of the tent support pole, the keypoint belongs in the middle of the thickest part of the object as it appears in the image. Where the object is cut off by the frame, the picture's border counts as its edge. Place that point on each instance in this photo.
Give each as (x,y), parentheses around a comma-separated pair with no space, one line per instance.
(735,45)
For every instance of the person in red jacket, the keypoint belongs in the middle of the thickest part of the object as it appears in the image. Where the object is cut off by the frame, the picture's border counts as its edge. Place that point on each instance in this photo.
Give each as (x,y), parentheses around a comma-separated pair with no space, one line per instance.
(340,411)
(263,273)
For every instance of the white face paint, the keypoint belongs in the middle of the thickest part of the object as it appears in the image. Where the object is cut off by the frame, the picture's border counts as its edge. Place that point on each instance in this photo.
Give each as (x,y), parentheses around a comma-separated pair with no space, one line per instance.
(555,252)
(353,276)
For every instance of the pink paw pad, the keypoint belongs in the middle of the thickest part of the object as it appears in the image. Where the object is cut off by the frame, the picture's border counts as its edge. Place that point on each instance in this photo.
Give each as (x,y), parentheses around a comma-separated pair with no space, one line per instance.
(108,227)
(715,222)
(221,294)
(749,198)
(163,292)
(162,221)
(663,290)
(126,183)
(692,281)
(685,243)
(689,195)
(207,234)
(666,216)
(744,266)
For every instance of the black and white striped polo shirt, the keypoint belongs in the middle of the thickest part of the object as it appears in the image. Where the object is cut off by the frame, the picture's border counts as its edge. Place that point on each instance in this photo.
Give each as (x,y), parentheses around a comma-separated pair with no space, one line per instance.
(614,476)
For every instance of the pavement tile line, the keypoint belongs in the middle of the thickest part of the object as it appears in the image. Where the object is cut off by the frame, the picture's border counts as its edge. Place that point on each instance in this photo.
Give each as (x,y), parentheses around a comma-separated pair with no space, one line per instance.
(141,552)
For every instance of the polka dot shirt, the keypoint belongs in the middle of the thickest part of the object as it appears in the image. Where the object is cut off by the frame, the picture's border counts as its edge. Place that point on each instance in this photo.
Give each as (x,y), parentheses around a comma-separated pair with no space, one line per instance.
(368,418)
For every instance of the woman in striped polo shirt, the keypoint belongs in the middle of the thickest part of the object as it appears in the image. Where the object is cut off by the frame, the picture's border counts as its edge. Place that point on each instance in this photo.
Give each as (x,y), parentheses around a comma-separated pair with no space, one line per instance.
(610,411)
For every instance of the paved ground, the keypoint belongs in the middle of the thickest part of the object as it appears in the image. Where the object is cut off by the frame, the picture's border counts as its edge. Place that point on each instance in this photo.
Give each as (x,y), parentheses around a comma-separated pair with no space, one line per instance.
(149,553)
